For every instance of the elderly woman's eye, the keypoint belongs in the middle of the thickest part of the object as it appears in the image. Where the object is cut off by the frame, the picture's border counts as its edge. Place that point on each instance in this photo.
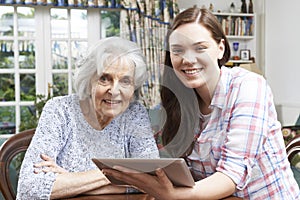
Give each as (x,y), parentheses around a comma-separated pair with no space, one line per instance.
(126,81)
(104,80)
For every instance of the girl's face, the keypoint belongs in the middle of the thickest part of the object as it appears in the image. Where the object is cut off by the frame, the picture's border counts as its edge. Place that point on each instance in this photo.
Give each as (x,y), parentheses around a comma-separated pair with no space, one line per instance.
(113,90)
(194,55)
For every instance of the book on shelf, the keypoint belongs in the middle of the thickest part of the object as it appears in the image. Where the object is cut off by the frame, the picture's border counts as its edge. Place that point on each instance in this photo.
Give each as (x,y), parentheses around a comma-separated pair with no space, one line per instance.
(237,26)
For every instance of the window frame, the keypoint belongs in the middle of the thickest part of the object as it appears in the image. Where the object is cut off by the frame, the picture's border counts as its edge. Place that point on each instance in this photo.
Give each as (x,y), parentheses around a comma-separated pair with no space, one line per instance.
(43,63)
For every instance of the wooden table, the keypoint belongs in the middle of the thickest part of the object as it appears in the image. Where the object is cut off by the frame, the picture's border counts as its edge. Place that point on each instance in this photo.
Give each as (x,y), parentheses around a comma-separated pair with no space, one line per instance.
(114,197)
(125,197)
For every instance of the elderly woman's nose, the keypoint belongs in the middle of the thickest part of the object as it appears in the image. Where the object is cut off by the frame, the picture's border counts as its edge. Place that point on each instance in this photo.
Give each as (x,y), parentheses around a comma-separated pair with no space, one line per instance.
(114,88)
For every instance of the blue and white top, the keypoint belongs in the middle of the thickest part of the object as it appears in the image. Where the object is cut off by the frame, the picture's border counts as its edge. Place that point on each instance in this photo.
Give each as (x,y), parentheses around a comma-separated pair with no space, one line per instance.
(64,134)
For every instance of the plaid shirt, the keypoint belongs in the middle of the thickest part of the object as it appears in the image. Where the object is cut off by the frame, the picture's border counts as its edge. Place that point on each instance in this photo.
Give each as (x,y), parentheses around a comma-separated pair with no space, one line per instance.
(243,139)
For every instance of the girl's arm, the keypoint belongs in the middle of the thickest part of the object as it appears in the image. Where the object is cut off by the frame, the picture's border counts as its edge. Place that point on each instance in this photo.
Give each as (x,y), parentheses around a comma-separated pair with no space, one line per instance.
(217,186)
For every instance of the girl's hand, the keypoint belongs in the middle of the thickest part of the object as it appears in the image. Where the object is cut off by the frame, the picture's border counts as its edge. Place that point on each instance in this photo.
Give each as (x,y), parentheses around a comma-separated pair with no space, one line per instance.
(158,186)
(48,165)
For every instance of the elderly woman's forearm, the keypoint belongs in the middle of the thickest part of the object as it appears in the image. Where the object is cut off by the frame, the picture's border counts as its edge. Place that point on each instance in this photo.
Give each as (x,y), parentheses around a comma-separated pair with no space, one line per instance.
(72,184)
(107,189)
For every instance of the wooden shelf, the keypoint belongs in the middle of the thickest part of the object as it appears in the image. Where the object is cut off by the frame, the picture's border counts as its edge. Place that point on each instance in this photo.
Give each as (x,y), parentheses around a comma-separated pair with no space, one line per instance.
(240,61)
(232,63)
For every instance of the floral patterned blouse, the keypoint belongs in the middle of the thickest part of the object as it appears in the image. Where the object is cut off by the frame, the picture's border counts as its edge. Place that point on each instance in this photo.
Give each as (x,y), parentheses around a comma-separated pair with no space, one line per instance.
(64,134)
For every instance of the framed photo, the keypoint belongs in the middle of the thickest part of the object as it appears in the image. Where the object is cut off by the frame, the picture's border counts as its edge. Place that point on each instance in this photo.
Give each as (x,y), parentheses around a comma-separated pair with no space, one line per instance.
(245,54)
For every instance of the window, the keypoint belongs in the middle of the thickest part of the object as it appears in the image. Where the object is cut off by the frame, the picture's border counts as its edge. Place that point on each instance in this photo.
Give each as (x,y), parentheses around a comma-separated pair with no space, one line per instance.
(68,33)
(38,52)
(17,68)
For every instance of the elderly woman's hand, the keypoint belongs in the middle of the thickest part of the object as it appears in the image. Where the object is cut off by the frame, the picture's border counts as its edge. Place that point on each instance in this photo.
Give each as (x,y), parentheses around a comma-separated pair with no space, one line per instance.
(48,165)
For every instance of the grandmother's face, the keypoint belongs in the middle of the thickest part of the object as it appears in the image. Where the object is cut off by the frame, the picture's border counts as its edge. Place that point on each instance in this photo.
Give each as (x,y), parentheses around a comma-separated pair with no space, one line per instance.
(113,90)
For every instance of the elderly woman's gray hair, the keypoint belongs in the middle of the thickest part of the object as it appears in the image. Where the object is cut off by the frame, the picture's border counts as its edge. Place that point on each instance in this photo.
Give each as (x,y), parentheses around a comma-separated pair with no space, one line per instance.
(103,52)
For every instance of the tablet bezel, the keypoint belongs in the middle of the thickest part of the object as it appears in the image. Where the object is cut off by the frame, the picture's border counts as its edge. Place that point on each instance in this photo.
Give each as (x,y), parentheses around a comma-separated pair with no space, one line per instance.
(175,168)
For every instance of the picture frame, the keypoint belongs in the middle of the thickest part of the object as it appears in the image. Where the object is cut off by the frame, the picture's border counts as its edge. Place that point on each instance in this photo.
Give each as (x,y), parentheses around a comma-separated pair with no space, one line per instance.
(245,54)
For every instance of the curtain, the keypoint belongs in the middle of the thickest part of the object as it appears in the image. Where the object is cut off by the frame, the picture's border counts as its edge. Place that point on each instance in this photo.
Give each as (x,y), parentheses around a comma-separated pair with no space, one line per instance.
(146,22)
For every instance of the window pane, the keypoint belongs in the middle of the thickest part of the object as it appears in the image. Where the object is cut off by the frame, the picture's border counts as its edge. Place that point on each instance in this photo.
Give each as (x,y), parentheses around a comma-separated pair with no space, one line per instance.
(59,23)
(110,23)
(60,84)
(27,87)
(7,119)
(78,49)
(28,117)
(6,21)
(59,55)
(7,87)
(6,54)
(27,55)
(26,21)
(78,23)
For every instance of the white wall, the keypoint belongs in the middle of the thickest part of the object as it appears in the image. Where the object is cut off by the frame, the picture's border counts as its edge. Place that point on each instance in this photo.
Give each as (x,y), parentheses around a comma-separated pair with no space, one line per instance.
(282,52)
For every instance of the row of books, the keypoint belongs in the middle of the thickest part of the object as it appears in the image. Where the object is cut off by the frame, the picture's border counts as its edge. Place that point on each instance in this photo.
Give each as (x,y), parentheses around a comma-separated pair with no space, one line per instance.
(237,26)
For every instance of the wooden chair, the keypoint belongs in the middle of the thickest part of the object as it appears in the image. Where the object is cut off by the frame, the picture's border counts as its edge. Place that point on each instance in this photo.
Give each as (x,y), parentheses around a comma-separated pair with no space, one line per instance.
(13,146)
(293,147)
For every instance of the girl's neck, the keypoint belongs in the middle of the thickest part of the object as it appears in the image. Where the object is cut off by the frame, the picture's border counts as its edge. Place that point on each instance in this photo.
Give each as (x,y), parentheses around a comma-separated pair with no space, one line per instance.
(204,105)
(206,92)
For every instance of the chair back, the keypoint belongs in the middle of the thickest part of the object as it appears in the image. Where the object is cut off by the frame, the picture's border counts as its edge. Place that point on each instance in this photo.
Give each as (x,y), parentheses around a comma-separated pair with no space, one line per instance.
(14,145)
(293,147)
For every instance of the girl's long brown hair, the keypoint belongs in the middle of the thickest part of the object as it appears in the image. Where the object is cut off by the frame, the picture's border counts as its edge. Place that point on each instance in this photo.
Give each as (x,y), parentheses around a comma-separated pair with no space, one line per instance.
(180,102)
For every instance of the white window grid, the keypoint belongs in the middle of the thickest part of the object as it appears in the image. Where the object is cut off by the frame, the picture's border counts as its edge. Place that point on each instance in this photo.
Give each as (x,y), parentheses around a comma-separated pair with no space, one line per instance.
(43,62)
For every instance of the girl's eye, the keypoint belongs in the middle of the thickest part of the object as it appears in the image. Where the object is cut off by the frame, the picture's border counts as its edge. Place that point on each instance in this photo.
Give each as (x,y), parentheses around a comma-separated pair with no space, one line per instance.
(177,51)
(200,48)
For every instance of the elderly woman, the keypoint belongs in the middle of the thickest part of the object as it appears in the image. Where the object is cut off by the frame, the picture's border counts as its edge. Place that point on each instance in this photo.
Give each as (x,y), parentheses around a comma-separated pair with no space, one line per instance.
(100,120)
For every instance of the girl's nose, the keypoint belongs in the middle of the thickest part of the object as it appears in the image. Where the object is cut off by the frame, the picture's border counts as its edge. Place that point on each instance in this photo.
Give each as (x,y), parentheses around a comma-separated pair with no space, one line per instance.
(189,58)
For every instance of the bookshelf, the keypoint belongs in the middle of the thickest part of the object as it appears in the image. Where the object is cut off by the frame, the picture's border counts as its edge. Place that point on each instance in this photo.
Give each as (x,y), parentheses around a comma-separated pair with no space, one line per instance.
(239,28)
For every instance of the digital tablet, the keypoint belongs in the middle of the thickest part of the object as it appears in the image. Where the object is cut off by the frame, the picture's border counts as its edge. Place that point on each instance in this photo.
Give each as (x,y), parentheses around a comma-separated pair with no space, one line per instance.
(175,168)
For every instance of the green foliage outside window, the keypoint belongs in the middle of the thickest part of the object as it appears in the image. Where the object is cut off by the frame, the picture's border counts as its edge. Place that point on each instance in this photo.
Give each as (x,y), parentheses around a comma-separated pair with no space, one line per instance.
(32,117)
(114,28)
(60,86)
(6,62)
(7,91)
(7,115)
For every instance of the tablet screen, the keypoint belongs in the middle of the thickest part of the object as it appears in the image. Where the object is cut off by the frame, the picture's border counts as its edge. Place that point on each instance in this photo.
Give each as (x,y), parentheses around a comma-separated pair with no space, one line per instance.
(175,168)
